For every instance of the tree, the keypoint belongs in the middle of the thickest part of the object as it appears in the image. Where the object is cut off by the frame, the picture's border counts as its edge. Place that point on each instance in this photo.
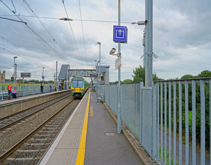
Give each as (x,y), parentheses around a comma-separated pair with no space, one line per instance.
(156,78)
(187,76)
(139,74)
(205,73)
(127,81)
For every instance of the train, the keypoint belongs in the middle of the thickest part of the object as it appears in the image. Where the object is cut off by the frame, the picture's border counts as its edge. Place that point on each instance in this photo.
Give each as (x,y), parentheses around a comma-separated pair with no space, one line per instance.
(79,86)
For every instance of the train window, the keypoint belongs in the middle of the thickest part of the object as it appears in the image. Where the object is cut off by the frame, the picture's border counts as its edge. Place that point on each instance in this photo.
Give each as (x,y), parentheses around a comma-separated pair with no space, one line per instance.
(80,84)
(3,88)
(74,84)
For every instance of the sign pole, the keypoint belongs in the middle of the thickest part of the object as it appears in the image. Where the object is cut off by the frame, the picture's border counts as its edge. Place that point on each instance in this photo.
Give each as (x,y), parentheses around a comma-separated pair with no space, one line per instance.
(119,77)
(23,87)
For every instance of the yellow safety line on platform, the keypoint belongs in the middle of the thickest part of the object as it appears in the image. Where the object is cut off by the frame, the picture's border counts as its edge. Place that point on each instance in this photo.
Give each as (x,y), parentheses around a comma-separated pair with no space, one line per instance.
(82,145)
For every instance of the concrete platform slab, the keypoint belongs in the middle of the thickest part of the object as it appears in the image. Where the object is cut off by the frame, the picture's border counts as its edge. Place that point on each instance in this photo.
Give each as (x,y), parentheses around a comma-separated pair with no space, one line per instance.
(64,150)
(102,148)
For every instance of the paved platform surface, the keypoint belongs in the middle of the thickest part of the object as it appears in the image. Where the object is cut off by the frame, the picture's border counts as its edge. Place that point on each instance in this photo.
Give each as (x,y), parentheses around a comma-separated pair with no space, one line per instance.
(64,150)
(102,148)
(103,145)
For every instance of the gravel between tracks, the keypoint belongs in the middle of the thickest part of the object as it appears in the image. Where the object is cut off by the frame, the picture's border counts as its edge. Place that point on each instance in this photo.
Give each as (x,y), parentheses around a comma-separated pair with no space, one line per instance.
(12,135)
(31,151)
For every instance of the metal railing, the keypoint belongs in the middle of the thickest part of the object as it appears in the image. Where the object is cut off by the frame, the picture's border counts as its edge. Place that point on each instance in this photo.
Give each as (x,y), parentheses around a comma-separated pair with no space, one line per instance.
(175,128)
(183,120)
(130,103)
(30,89)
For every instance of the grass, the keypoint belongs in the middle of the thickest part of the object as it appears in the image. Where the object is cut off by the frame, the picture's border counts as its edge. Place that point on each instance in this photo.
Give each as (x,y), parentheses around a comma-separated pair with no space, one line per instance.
(198,149)
(167,156)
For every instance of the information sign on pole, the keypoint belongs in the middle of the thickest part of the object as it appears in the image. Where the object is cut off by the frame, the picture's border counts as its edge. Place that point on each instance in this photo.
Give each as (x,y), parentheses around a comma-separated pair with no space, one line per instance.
(26,74)
(120,34)
(118,63)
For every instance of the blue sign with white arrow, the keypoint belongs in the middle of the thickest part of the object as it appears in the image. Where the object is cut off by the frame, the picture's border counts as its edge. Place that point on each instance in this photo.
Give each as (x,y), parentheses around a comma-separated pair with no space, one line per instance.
(120,34)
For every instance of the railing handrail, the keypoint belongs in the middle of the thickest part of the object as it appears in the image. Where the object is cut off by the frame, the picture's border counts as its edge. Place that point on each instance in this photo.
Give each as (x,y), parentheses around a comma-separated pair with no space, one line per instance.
(177,80)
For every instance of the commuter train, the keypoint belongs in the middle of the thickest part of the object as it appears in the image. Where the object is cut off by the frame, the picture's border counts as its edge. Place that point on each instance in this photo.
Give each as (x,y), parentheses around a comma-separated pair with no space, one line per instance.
(79,87)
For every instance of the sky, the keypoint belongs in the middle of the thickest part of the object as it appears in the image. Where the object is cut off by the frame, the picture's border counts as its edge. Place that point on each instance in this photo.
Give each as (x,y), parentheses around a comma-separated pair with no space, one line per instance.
(181,36)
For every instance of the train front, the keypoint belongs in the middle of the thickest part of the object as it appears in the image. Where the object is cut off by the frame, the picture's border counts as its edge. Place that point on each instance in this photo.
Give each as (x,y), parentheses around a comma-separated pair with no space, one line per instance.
(77,87)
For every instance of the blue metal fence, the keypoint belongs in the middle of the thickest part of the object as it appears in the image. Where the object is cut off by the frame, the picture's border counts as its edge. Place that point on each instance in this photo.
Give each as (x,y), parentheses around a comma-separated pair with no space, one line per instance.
(182,122)
(175,129)
(31,89)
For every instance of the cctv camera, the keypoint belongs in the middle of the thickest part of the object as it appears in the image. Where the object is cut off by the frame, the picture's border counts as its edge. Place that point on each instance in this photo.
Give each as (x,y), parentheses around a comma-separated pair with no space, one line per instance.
(113,50)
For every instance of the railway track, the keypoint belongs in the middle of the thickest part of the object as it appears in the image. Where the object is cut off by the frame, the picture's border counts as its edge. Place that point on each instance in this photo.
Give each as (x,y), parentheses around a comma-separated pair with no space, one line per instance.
(15,117)
(10,133)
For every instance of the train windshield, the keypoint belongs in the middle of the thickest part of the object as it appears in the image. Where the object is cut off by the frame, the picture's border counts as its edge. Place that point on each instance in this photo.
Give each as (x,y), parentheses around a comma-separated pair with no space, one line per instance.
(80,84)
(75,84)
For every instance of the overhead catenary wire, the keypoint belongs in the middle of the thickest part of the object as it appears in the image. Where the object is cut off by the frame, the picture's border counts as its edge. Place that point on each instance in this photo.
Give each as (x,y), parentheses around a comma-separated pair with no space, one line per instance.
(72,31)
(45,28)
(13,20)
(82,28)
(13,6)
(74,19)
(21,7)
(19,54)
(33,31)
(15,44)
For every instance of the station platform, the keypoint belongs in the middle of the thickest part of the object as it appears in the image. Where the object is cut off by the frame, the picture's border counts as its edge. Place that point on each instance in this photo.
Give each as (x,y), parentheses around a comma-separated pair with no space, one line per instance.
(89,137)
(9,107)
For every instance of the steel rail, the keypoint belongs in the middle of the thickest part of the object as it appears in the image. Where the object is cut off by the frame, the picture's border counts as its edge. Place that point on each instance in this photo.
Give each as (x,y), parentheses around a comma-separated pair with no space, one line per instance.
(24,139)
(16,113)
(10,124)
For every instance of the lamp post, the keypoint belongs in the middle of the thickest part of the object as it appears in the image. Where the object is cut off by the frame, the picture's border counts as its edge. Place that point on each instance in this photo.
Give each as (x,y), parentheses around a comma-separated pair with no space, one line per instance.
(99,61)
(15,70)
(43,77)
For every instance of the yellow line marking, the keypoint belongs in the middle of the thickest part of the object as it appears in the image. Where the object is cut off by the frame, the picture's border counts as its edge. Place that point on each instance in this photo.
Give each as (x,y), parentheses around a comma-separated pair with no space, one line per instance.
(82,145)
(91,113)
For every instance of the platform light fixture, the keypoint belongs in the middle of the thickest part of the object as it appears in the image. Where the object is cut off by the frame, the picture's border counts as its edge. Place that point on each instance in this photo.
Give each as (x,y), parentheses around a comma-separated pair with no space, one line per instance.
(140,22)
(113,50)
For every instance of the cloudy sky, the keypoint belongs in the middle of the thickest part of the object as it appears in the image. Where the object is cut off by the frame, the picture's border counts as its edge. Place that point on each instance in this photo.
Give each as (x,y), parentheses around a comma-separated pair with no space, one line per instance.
(181,36)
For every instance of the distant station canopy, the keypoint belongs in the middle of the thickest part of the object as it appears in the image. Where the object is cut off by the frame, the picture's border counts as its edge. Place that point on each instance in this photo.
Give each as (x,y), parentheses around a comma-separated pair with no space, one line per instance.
(92,73)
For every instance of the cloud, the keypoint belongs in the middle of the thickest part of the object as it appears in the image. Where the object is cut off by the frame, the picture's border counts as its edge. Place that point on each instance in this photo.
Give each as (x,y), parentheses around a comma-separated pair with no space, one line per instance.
(181,36)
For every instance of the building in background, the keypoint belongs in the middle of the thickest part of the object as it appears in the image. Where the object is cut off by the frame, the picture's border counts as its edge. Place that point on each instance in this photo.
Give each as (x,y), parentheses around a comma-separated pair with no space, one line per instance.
(2,76)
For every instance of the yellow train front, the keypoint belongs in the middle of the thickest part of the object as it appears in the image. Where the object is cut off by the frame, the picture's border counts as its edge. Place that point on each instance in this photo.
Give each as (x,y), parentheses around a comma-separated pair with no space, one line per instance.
(79,87)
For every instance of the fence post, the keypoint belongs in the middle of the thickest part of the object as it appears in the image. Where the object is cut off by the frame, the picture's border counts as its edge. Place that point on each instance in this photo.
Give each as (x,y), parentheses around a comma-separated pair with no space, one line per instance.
(140,140)
(154,120)
(109,95)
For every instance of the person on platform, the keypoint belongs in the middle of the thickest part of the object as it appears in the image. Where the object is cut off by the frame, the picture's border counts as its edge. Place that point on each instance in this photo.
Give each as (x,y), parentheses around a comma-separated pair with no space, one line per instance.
(50,88)
(14,93)
(9,91)
(41,87)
